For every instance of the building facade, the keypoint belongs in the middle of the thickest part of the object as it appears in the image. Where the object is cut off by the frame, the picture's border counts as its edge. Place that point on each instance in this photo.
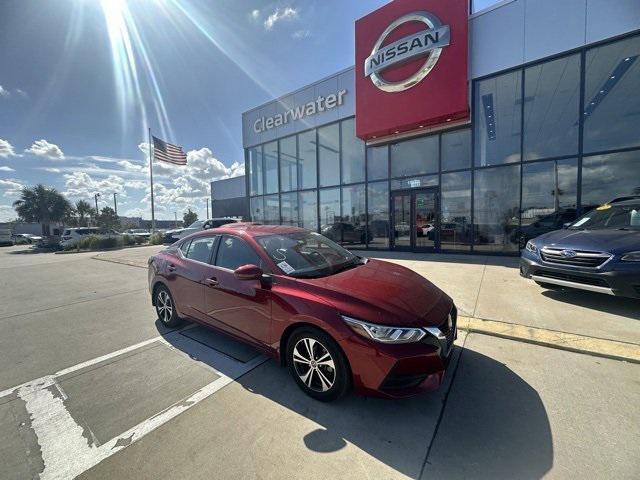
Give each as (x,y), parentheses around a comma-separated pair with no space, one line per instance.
(229,198)
(551,129)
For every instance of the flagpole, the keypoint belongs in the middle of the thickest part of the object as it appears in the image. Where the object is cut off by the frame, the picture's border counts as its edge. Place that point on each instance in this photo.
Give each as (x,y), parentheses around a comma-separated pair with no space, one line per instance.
(153,216)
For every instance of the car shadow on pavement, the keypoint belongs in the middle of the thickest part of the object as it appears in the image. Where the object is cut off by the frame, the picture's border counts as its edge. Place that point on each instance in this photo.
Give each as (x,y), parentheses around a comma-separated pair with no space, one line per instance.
(493,425)
(625,307)
(461,258)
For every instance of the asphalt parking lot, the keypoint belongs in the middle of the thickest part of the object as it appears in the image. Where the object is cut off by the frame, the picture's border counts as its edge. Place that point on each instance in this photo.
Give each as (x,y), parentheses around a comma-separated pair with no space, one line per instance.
(94,387)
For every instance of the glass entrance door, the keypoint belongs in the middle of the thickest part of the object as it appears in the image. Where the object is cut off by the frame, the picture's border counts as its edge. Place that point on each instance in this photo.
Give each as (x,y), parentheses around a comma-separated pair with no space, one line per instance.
(415,220)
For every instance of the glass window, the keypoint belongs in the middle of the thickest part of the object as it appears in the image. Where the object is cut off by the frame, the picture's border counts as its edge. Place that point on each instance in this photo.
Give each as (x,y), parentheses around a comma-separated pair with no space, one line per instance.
(456,150)
(307,156)
(352,153)
(612,103)
(330,213)
(605,177)
(288,164)
(415,182)
(354,218)
(289,208)
(496,204)
(552,101)
(329,154)
(497,114)
(271,210)
(255,170)
(549,197)
(377,162)
(414,157)
(234,252)
(257,209)
(308,205)
(271,167)
(184,248)
(201,248)
(378,202)
(455,227)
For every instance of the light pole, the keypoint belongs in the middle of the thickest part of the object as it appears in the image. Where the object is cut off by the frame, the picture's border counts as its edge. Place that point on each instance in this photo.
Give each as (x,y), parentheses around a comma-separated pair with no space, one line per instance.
(115,203)
(207,209)
(95,197)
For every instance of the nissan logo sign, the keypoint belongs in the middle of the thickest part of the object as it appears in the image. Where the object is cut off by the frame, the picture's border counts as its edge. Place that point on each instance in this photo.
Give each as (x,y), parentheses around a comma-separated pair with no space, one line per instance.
(425,42)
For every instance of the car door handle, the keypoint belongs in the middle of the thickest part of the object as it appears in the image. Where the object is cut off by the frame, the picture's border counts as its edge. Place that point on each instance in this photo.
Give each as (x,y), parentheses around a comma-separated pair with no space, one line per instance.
(211,282)
(171,267)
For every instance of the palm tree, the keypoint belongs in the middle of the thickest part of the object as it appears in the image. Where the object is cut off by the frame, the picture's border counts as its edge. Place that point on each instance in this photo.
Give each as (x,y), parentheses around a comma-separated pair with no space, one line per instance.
(43,205)
(84,211)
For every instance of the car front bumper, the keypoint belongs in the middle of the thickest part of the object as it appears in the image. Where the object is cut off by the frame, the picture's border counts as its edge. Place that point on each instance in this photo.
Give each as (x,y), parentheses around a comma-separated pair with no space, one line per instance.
(401,370)
(620,279)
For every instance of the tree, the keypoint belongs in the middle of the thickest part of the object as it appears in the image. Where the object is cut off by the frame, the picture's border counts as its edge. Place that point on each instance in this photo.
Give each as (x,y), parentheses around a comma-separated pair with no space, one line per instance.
(84,211)
(43,205)
(189,217)
(108,219)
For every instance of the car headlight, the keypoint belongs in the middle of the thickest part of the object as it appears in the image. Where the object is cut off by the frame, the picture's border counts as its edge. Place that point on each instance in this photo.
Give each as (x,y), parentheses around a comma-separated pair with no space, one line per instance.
(631,257)
(384,333)
(531,247)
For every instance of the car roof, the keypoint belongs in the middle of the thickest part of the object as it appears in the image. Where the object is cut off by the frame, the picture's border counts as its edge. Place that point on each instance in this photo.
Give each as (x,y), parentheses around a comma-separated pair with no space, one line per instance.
(251,229)
(627,202)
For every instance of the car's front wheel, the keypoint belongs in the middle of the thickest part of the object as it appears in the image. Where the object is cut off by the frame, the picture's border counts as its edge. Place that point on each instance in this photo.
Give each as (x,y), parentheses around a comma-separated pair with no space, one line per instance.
(166,307)
(317,364)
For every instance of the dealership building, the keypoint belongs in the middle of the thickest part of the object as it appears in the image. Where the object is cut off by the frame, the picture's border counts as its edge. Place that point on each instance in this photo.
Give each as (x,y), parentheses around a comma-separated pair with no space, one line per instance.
(457,131)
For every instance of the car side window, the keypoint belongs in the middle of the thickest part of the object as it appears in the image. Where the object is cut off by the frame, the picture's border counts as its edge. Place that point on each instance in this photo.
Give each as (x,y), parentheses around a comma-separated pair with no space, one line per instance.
(184,248)
(201,248)
(235,252)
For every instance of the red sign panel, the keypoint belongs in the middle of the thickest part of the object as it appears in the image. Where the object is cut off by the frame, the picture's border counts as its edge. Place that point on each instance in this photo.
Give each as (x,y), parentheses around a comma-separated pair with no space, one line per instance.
(411,66)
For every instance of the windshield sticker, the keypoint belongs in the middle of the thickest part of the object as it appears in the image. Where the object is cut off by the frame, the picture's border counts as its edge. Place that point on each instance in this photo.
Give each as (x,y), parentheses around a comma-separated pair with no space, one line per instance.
(581,221)
(286,268)
(604,207)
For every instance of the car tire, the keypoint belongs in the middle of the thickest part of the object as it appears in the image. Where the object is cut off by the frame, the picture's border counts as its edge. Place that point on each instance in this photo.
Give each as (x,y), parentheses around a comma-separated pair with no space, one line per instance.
(166,307)
(326,380)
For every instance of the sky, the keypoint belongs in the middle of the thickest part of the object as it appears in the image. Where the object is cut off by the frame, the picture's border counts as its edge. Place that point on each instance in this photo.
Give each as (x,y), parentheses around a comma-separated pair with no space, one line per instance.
(81,81)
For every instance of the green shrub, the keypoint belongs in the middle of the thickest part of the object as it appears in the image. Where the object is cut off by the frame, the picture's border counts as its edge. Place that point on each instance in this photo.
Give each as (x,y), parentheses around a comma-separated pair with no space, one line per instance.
(128,240)
(156,239)
(93,242)
(140,240)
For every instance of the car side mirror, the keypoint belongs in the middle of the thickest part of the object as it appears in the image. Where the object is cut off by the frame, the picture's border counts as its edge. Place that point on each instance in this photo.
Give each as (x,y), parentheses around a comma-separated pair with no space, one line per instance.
(248,272)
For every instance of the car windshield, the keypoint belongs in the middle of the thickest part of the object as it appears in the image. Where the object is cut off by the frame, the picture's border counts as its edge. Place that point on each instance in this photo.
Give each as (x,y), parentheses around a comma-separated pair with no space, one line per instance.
(307,254)
(625,217)
(196,224)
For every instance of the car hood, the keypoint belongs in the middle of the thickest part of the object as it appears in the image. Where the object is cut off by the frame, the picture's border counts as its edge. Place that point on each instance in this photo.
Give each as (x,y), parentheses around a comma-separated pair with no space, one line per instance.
(613,241)
(384,293)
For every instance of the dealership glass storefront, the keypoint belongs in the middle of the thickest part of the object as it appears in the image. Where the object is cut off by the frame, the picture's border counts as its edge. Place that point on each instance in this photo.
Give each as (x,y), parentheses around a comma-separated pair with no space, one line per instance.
(547,141)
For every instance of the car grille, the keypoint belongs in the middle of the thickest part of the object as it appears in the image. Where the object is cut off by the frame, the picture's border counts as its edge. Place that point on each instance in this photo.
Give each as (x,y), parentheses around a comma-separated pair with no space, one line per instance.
(580,258)
(450,333)
(598,282)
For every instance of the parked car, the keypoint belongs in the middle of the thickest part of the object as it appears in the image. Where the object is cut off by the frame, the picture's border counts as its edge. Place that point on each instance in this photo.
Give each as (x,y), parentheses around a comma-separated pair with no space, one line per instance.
(171,236)
(25,238)
(5,236)
(138,232)
(71,236)
(335,319)
(599,252)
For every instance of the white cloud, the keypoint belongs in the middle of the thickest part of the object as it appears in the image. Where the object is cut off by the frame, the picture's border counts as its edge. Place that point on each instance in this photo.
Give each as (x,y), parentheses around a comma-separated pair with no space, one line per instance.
(4,92)
(255,14)
(50,169)
(137,184)
(6,149)
(42,148)
(279,14)
(22,93)
(80,185)
(6,169)
(300,34)
(7,213)
(11,188)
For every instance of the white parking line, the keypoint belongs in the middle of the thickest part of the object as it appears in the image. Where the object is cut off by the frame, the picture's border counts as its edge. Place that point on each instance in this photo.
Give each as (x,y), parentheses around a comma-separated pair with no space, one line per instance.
(66,452)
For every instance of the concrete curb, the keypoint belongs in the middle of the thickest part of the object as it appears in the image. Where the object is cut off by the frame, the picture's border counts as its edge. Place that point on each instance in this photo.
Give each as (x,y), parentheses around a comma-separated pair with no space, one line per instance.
(600,347)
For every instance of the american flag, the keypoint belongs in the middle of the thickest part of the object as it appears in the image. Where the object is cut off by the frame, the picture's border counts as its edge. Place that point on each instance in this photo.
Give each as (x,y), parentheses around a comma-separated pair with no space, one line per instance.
(166,152)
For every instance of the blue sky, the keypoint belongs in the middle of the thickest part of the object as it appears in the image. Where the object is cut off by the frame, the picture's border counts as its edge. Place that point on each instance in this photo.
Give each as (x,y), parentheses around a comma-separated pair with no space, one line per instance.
(82,79)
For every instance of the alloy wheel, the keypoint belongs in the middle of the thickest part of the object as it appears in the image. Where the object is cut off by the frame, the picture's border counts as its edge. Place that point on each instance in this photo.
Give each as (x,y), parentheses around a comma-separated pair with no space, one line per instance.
(164,306)
(314,364)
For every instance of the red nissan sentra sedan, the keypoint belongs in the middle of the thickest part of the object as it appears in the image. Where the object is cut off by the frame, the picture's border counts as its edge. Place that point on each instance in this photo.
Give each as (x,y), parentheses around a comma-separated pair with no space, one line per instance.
(335,319)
